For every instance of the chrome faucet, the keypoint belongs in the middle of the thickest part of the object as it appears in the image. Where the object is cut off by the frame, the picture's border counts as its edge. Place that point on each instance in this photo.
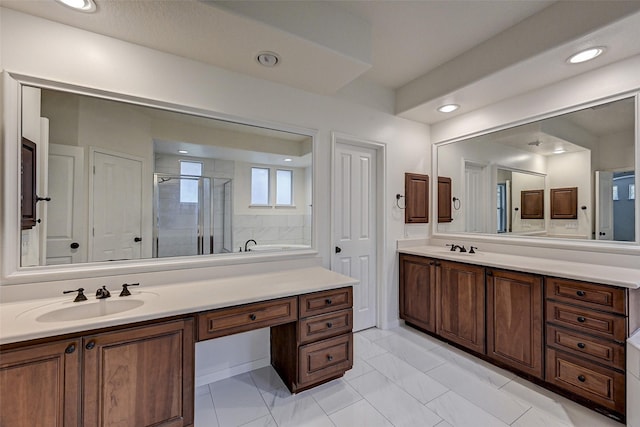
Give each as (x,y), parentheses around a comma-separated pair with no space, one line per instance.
(247,242)
(103,293)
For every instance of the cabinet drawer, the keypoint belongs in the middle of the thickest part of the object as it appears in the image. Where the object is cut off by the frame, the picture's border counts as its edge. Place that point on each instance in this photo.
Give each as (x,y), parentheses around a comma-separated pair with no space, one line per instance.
(589,321)
(596,383)
(325,359)
(325,301)
(325,325)
(232,320)
(590,295)
(595,349)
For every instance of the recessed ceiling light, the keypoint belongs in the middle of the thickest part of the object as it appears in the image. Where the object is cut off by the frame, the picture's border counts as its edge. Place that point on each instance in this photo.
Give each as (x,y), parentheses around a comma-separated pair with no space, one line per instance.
(79,5)
(268,59)
(288,160)
(448,108)
(585,55)
(183,151)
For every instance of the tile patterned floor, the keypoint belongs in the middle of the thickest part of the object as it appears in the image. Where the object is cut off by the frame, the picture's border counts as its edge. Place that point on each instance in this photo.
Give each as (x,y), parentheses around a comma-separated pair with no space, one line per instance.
(400,378)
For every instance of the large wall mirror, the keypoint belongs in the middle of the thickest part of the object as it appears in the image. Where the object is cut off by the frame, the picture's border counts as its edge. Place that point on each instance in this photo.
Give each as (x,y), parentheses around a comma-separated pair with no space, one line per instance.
(571,176)
(122,181)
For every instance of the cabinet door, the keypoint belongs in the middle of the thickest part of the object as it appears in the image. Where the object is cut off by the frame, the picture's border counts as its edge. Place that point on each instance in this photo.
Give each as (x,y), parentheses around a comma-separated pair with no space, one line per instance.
(515,320)
(140,376)
(460,291)
(444,199)
(416,189)
(417,291)
(28,160)
(39,385)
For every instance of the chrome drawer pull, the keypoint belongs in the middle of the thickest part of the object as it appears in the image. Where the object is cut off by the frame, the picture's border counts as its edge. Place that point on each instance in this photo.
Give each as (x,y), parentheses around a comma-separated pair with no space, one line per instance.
(581,319)
(581,378)
(581,345)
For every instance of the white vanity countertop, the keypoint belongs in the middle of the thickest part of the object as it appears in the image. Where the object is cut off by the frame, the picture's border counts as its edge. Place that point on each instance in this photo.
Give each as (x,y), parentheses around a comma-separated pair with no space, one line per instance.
(608,275)
(18,319)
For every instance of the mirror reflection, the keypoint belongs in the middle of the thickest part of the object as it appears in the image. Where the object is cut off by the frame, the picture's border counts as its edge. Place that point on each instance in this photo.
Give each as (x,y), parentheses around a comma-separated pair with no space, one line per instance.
(570,176)
(109,180)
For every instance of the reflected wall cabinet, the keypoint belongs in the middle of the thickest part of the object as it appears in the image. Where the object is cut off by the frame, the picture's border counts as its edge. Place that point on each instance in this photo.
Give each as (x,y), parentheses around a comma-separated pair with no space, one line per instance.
(564,203)
(28,184)
(444,199)
(532,204)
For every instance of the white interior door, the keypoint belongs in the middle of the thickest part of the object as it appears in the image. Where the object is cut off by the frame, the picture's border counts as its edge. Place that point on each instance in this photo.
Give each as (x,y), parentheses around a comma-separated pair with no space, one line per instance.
(354,225)
(116,207)
(475,195)
(66,237)
(604,205)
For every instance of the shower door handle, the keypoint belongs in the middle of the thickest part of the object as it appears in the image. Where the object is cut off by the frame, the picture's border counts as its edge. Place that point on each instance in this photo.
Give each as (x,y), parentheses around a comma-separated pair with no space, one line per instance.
(137,239)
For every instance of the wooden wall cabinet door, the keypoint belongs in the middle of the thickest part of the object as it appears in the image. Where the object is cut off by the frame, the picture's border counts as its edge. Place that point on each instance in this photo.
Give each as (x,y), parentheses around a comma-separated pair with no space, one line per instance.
(444,199)
(39,385)
(28,162)
(564,203)
(515,320)
(532,204)
(416,193)
(461,294)
(418,291)
(140,376)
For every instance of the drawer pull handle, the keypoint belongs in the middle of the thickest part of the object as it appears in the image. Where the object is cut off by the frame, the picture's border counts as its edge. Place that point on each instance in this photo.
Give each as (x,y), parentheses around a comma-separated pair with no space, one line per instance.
(329,358)
(329,325)
(252,316)
(581,293)
(70,348)
(581,378)
(328,301)
(90,345)
(581,345)
(581,319)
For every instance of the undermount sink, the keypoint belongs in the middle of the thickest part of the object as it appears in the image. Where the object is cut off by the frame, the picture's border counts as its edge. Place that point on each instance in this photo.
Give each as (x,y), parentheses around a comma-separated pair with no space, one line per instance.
(89,310)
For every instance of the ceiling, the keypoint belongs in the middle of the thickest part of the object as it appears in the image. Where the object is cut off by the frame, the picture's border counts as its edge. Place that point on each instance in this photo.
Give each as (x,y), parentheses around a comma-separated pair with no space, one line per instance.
(430,52)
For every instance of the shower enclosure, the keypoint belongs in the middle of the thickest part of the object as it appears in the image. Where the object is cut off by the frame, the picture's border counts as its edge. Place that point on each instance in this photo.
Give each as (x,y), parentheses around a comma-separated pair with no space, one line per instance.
(192,215)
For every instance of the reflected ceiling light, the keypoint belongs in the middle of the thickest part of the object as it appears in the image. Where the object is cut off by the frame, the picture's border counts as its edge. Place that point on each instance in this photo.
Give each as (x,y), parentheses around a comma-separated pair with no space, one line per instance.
(183,151)
(448,108)
(288,160)
(268,59)
(80,5)
(585,55)
(559,151)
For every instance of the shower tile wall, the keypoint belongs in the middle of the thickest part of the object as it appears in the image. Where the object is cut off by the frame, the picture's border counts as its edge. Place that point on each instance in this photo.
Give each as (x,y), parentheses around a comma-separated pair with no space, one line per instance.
(272,229)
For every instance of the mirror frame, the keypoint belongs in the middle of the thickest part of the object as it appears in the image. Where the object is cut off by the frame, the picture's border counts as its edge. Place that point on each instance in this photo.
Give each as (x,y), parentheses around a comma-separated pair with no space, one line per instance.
(552,242)
(12,273)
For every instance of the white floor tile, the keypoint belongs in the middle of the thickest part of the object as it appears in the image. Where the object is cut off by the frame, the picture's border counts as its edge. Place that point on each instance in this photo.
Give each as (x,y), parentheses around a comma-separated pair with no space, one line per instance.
(204,414)
(267,379)
(335,395)
(237,400)
(459,412)
(374,334)
(297,410)
(396,405)
(412,353)
(267,421)
(408,378)
(535,417)
(360,367)
(359,414)
(365,349)
(417,337)
(480,369)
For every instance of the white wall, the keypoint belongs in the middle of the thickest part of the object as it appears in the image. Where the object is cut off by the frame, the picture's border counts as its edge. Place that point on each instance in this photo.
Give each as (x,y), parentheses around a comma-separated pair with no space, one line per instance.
(51,51)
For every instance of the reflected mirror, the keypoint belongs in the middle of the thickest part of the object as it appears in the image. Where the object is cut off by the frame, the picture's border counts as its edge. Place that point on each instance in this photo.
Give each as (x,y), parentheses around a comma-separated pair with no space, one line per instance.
(502,181)
(109,180)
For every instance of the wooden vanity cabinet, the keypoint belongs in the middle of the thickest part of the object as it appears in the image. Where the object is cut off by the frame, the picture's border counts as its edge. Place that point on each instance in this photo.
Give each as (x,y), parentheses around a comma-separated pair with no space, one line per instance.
(418,291)
(515,320)
(141,376)
(40,385)
(460,293)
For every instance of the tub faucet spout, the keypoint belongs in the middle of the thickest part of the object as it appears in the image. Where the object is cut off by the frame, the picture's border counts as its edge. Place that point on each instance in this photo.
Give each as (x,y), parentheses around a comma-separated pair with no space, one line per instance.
(247,242)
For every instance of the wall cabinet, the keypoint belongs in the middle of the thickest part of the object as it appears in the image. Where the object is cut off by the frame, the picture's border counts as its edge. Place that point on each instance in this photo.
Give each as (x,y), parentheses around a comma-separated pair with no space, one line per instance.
(460,296)
(564,203)
(28,181)
(532,204)
(416,197)
(418,291)
(515,320)
(140,376)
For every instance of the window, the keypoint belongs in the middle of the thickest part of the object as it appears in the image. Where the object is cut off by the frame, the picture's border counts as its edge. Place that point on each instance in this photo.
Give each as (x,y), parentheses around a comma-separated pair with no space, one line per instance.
(632,191)
(189,186)
(615,192)
(502,207)
(260,186)
(284,187)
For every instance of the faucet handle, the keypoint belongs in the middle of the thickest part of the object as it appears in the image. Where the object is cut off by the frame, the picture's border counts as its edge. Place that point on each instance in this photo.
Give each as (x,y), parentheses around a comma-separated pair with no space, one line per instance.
(471,249)
(80,297)
(125,289)
(453,247)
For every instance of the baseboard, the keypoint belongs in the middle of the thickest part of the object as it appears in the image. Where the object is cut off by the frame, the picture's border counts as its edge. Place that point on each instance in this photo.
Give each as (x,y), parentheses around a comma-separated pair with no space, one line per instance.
(210,377)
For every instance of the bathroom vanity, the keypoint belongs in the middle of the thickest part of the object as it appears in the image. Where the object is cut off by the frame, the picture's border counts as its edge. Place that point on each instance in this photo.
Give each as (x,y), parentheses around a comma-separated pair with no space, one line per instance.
(562,325)
(137,367)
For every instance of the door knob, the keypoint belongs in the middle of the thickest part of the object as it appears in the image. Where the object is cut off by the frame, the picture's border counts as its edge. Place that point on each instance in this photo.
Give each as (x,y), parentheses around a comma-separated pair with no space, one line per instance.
(137,239)
(338,249)
(74,245)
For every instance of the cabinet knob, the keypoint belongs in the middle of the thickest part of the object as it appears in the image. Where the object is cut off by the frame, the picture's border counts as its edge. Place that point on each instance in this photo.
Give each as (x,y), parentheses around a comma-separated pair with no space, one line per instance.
(581,293)
(328,301)
(581,378)
(329,357)
(90,345)
(329,325)
(252,316)
(581,319)
(70,348)
(581,345)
